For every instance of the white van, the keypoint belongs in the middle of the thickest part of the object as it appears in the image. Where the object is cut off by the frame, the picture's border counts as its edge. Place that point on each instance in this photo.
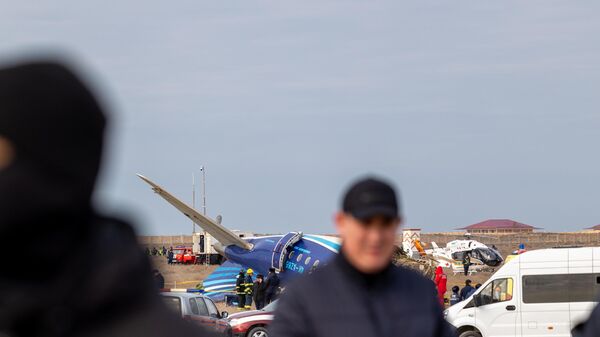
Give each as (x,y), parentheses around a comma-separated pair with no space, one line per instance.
(543,292)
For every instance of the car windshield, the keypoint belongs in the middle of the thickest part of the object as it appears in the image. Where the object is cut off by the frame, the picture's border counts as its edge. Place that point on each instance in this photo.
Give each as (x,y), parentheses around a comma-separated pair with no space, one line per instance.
(270,307)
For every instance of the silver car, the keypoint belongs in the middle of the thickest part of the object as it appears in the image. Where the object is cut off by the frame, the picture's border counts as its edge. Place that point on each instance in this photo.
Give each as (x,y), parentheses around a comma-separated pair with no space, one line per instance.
(199,309)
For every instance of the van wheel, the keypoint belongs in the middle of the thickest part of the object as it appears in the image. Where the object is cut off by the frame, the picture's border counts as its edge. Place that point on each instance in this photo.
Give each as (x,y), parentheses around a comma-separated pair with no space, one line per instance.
(258,331)
(470,333)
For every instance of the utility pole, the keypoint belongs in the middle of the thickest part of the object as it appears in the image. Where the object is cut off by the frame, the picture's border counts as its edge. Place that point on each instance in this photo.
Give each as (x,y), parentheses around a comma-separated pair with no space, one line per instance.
(193,200)
(203,189)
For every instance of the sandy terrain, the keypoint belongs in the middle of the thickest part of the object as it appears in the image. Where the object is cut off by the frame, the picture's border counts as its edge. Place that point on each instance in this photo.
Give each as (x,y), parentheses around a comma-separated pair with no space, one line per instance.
(187,276)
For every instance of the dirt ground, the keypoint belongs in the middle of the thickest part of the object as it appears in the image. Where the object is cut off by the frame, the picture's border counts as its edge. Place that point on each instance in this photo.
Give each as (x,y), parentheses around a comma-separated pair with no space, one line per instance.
(459,280)
(181,276)
(187,276)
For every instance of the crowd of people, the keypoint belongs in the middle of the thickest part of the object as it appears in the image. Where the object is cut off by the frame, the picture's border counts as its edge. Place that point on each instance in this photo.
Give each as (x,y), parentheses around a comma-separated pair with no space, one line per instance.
(262,290)
(457,294)
(168,253)
(158,251)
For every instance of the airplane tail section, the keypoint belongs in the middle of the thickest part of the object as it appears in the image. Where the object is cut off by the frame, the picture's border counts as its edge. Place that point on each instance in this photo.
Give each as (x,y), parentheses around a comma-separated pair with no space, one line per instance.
(218,231)
(222,280)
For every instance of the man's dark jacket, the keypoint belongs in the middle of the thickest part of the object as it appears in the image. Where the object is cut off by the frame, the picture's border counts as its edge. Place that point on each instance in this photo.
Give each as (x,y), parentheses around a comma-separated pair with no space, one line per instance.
(465,292)
(271,284)
(258,291)
(338,300)
(592,327)
(159,281)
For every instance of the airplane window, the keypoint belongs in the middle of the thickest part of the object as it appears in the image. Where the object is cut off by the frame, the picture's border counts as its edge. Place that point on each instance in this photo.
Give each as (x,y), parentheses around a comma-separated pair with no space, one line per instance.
(299,258)
(316,264)
(291,254)
(307,260)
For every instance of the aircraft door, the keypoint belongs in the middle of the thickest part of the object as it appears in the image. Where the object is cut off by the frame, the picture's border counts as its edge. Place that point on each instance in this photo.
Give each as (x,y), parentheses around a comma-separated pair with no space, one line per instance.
(280,252)
(497,309)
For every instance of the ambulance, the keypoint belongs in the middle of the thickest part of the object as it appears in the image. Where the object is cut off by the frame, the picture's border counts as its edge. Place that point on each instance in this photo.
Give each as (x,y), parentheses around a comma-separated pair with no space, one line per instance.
(545,292)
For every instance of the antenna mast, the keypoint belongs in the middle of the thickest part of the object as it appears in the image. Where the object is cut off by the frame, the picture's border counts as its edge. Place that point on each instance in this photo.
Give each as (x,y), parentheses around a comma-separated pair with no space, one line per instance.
(203,189)
(193,200)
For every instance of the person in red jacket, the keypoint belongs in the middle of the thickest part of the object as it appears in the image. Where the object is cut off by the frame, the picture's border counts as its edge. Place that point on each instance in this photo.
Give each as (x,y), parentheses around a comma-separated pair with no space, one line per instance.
(440,282)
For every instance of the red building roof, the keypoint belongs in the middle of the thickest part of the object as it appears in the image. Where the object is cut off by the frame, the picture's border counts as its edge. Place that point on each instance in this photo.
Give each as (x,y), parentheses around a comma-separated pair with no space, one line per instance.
(596,228)
(499,224)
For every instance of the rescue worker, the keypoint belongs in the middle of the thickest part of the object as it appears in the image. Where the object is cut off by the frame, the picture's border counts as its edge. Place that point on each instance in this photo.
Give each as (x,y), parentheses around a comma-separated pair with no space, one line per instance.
(455,297)
(440,282)
(271,286)
(466,291)
(51,140)
(240,289)
(360,292)
(466,263)
(248,287)
(258,292)
(170,256)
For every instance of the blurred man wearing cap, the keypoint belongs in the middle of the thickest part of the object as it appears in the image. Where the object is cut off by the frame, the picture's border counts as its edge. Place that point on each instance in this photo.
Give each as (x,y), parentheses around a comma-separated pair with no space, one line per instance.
(360,292)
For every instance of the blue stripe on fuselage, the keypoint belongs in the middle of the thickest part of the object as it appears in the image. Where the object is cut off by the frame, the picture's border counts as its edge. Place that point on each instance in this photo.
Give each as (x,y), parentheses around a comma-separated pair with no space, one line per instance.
(210,283)
(331,244)
(216,275)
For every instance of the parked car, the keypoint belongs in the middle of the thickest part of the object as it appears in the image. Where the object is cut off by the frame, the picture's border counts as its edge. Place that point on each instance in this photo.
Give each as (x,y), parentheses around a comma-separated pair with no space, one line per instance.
(198,309)
(547,292)
(252,323)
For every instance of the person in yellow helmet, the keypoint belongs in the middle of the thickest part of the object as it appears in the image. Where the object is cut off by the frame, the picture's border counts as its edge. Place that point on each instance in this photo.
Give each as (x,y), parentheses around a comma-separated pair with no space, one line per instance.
(248,285)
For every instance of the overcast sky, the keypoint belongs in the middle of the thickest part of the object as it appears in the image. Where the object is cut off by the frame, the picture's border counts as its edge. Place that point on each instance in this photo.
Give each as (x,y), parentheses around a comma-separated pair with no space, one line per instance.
(474,109)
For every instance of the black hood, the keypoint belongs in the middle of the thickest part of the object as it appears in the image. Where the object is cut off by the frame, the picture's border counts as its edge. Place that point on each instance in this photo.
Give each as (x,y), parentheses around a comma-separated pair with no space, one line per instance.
(56,128)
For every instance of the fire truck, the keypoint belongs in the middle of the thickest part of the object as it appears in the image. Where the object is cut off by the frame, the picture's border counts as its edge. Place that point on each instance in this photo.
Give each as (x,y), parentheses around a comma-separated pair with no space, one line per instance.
(184,255)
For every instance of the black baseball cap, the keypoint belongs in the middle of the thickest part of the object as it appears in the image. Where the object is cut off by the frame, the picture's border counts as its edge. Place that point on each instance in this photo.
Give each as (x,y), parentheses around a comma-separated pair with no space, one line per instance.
(370,197)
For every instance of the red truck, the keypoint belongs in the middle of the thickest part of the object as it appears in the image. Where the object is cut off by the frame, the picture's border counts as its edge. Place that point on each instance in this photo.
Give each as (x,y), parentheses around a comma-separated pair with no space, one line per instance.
(184,255)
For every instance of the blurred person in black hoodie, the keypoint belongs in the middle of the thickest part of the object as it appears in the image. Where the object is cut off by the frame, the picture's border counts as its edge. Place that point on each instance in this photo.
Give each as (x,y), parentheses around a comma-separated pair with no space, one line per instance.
(51,137)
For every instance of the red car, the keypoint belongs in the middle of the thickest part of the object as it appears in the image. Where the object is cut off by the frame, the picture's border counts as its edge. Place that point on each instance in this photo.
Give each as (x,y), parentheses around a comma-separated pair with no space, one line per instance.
(252,323)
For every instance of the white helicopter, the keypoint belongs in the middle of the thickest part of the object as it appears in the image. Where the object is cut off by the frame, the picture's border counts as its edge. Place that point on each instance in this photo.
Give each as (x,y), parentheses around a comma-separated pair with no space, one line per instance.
(482,257)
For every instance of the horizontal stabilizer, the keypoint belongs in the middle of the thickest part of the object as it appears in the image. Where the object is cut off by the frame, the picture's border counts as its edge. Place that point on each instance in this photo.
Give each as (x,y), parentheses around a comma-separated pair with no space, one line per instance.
(220,233)
(222,281)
